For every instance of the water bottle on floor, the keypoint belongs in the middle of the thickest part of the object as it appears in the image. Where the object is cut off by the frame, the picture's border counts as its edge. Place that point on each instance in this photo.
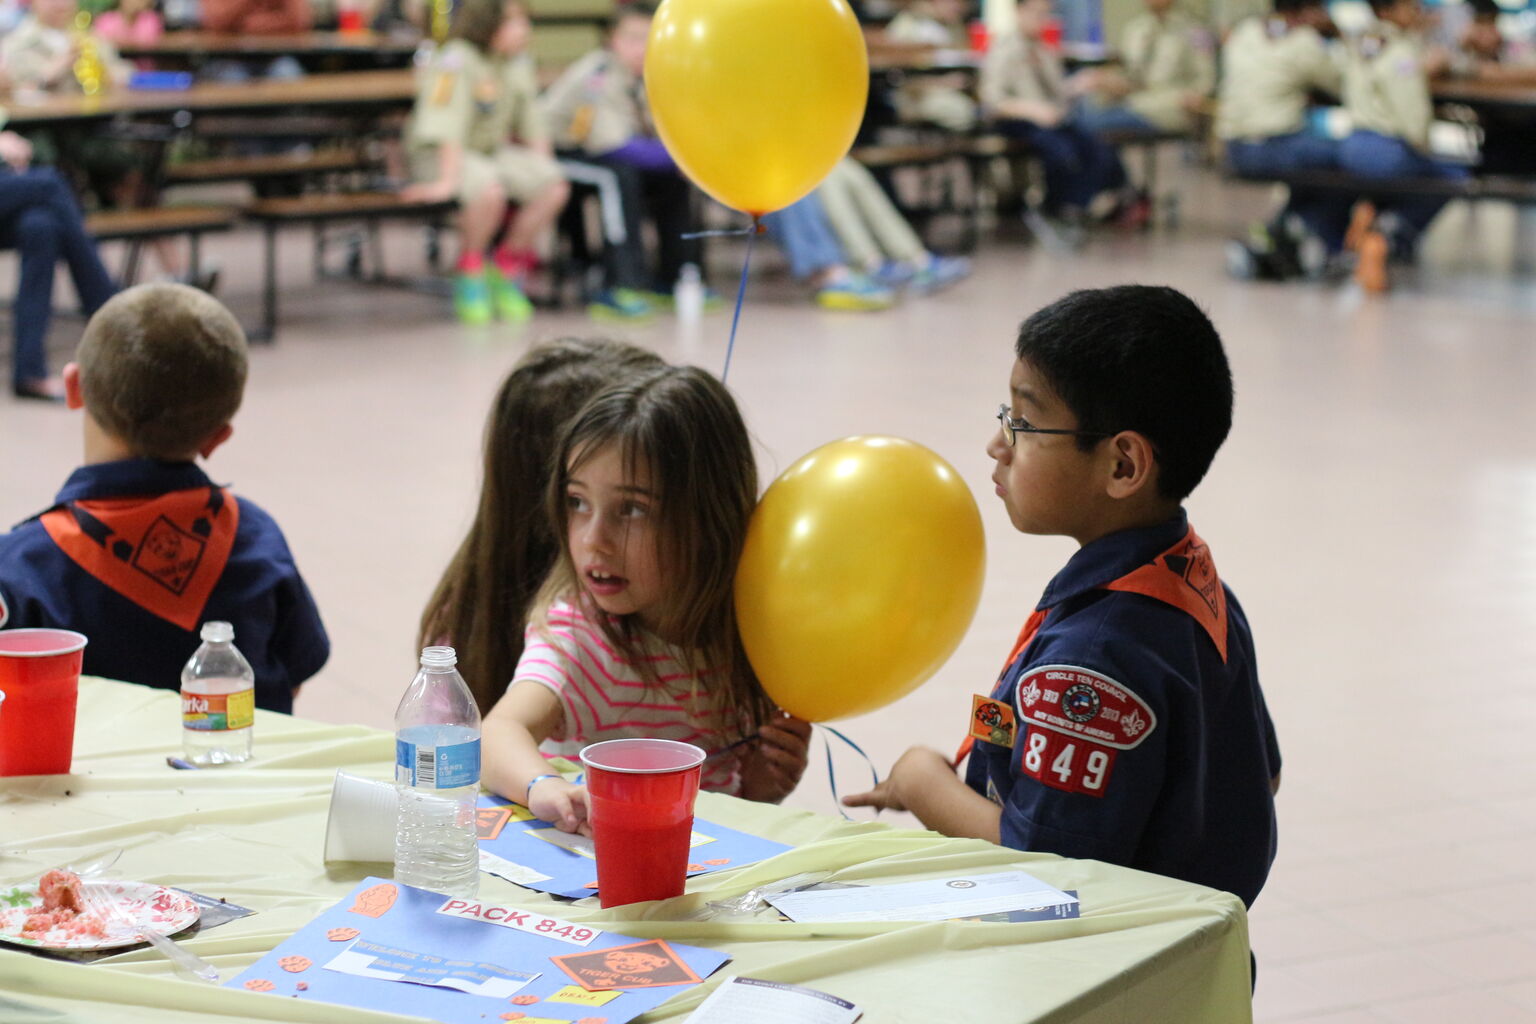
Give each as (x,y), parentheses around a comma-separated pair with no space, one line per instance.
(437,769)
(218,700)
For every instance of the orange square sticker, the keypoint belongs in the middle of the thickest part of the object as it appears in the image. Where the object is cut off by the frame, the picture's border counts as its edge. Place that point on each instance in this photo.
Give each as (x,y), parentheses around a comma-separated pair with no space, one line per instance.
(992,720)
(649,964)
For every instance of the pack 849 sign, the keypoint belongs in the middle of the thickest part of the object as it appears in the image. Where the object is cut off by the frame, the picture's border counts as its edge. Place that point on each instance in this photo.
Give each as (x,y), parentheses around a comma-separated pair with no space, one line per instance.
(1078,721)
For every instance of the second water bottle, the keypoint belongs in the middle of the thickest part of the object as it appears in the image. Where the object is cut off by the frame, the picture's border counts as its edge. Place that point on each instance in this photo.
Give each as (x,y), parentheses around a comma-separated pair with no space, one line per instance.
(437,770)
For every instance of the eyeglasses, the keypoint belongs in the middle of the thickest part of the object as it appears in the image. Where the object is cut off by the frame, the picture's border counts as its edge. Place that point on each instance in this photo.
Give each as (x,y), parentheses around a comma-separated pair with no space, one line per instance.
(1013,426)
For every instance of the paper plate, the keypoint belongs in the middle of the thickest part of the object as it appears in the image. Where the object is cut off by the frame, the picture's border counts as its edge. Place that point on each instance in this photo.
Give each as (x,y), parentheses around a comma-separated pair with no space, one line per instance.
(134,905)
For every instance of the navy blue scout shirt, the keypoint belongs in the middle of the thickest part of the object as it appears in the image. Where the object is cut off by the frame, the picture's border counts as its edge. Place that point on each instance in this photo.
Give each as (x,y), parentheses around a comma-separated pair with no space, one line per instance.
(1142,735)
(138,554)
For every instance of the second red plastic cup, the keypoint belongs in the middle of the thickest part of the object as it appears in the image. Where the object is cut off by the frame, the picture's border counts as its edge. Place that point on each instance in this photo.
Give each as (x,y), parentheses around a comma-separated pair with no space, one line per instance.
(640,794)
(40,676)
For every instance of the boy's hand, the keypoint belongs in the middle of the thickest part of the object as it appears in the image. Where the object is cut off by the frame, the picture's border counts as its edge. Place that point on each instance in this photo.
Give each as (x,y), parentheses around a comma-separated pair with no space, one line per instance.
(561,804)
(773,768)
(912,773)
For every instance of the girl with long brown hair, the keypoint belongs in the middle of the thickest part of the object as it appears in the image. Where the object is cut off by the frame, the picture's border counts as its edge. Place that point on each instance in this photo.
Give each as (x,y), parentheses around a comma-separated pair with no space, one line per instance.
(484,596)
(634,632)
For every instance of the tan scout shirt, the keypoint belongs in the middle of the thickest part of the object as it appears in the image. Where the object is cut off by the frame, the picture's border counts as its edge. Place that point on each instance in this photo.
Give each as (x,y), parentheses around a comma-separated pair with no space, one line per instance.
(1166,58)
(1269,68)
(1020,69)
(478,101)
(32,50)
(1385,88)
(597,105)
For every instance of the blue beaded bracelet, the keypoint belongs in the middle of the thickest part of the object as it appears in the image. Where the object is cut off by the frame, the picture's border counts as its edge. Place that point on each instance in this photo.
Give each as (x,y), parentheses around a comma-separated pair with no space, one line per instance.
(535,781)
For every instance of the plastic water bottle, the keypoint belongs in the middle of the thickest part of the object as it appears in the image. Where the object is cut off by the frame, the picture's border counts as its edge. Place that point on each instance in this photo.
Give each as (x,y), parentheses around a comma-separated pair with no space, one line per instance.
(218,700)
(688,294)
(437,769)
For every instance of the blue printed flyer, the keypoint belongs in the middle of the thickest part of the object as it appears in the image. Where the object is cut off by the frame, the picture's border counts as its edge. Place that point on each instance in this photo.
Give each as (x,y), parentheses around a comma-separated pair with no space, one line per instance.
(465,961)
(522,849)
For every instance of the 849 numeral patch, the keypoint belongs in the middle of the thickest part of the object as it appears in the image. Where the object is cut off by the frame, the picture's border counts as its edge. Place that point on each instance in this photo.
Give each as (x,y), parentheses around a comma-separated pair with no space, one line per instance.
(1077,721)
(1064,763)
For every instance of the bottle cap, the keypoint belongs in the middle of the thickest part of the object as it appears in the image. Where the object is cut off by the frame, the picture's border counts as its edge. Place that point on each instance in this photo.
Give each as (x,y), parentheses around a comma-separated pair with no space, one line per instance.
(439,657)
(218,632)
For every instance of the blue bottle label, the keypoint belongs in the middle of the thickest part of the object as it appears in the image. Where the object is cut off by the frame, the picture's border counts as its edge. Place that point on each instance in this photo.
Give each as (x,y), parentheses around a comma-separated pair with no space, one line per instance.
(446,766)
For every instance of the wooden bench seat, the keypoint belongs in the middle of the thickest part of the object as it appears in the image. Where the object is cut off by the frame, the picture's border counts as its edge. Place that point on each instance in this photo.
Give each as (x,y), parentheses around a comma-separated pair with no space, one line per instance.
(326,208)
(266,166)
(139,226)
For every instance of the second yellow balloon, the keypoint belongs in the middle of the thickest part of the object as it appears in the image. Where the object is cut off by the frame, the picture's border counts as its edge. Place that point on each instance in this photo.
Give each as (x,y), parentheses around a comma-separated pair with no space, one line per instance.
(757,99)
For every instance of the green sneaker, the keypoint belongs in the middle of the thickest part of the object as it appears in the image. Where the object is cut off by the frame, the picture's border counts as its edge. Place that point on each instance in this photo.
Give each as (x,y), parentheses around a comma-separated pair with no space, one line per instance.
(620,305)
(472,299)
(510,302)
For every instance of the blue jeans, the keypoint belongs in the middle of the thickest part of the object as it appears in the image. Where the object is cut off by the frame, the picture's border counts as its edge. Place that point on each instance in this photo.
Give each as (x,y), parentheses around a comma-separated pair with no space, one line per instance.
(40,220)
(1382,156)
(1099,120)
(1078,165)
(805,235)
(1325,213)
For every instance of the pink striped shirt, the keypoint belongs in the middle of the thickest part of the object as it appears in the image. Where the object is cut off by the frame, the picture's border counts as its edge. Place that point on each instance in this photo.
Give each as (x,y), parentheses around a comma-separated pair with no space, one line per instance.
(604,697)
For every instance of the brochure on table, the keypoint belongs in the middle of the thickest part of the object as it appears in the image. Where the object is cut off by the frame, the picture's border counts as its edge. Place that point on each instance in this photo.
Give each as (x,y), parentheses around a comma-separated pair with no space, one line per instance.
(755,1001)
(520,848)
(938,899)
(392,947)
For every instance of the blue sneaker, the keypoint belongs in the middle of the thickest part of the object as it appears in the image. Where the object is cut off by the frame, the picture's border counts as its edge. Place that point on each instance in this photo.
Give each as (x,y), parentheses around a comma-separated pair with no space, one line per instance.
(893,274)
(620,305)
(855,294)
(940,272)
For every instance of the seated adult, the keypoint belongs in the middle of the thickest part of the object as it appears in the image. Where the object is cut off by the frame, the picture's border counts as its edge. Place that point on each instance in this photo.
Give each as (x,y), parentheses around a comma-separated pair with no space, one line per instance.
(40,220)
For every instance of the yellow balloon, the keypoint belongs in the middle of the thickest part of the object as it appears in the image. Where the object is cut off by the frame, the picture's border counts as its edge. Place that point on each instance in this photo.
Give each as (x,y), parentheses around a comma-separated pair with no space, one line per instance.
(861,573)
(756,100)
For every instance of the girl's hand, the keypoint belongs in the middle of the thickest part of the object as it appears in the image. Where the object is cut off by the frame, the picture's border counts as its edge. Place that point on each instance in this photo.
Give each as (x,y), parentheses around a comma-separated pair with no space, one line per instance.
(773,768)
(561,804)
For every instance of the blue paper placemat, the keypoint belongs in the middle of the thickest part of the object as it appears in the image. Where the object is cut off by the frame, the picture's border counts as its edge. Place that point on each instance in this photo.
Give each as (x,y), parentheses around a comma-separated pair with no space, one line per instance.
(520,848)
(392,947)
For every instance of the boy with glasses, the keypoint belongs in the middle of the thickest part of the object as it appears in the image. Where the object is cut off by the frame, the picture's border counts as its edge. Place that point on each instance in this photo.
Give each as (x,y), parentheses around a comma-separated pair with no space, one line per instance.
(1139,735)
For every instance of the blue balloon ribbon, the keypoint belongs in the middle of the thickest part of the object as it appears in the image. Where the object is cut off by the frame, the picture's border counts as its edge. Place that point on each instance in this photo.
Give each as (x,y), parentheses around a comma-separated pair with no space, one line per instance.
(874,775)
(751,234)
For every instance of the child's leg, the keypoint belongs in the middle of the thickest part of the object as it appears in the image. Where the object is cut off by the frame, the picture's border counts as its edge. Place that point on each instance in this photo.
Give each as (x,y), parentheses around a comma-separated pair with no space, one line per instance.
(626,259)
(34,231)
(669,197)
(837,200)
(1102,169)
(1379,156)
(896,237)
(806,237)
(1058,158)
(536,183)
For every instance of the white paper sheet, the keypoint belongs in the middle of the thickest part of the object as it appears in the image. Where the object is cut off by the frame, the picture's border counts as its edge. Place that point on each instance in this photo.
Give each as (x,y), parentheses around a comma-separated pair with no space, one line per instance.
(754,1001)
(932,900)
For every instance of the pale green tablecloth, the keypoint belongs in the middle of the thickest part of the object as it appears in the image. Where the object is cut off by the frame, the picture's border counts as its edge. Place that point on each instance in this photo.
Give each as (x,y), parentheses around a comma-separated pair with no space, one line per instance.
(1147,949)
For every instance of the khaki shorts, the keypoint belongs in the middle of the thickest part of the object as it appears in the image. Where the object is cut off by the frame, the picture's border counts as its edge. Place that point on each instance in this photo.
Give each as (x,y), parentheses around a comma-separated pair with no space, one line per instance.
(522,173)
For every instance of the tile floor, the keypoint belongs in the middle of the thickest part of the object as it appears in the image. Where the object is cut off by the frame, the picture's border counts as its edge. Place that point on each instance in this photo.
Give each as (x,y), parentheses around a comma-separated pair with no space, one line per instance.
(1375,508)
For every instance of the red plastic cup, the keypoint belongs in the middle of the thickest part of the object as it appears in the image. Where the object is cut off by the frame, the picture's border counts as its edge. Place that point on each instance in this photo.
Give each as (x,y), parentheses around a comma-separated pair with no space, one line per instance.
(350,19)
(640,798)
(40,675)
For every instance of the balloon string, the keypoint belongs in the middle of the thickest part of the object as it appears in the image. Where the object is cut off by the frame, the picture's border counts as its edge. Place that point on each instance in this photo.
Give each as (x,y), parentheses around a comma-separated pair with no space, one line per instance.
(741,295)
(874,776)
